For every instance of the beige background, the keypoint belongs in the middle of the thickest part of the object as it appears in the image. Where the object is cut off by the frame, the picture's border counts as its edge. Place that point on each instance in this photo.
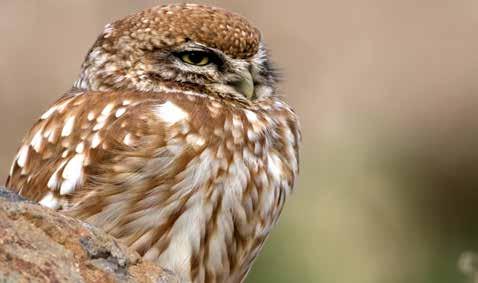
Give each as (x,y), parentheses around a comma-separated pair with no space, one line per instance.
(387,92)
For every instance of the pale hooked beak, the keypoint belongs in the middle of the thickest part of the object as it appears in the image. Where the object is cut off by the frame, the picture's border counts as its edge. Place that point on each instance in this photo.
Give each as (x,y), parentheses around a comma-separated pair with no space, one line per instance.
(245,84)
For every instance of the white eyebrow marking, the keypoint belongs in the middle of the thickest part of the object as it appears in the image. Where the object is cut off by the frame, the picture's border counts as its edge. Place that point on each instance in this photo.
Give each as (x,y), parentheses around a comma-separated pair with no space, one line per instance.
(68,128)
(170,113)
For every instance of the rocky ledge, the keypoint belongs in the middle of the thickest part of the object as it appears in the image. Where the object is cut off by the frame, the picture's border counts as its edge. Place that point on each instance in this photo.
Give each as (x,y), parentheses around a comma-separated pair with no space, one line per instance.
(40,245)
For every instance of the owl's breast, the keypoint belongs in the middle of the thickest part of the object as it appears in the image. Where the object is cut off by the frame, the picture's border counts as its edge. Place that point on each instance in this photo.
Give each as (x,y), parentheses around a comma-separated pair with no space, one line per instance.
(232,170)
(239,181)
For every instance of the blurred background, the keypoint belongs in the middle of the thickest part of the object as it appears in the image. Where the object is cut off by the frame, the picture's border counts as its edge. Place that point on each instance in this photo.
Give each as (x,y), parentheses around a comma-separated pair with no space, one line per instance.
(387,92)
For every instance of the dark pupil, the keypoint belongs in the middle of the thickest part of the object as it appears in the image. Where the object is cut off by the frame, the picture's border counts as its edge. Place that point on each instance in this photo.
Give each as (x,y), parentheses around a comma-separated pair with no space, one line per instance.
(196,57)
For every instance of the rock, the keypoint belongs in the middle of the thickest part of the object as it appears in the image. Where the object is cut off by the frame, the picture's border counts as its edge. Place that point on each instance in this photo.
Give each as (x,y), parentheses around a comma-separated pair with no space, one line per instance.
(40,245)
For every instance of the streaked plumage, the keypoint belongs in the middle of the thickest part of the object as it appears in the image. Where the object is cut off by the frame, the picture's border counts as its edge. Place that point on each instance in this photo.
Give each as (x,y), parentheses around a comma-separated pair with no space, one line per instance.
(188,164)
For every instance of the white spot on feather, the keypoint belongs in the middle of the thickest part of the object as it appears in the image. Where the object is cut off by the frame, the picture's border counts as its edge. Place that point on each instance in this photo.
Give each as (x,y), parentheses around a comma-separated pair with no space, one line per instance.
(171,113)
(107,31)
(11,169)
(80,147)
(91,116)
(128,140)
(99,126)
(68,127)
(72,174)
(48,113)
(251,116)
(62,106)
(120,112)
(73,167)
(37,141)
(67,187)
(252,135)
(95,141)
(101,119)
(107,109)
(195,140)
(53,181)
(50,201)
(236,122)
(50,134)
(22,156)
(274,165)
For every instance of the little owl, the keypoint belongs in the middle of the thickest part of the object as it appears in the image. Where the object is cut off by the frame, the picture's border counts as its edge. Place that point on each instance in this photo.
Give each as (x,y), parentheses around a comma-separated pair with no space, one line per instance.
(173,139)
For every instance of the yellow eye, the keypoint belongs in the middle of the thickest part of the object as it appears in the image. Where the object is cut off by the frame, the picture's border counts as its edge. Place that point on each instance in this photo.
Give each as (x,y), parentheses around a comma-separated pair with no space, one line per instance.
(197,58)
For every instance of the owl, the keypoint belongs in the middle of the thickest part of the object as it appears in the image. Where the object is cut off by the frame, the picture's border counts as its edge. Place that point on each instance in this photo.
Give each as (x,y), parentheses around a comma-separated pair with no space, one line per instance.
(173,139)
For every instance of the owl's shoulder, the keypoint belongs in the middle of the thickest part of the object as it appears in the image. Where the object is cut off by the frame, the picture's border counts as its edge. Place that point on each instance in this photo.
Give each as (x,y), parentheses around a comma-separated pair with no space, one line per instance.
(82,128)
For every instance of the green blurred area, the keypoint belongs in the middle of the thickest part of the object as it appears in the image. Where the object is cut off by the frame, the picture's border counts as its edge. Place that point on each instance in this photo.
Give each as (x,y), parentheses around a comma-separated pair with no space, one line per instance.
(387,92)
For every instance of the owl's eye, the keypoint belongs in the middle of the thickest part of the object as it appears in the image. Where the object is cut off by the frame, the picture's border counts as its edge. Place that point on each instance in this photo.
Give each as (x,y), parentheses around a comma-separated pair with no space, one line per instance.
(198,58)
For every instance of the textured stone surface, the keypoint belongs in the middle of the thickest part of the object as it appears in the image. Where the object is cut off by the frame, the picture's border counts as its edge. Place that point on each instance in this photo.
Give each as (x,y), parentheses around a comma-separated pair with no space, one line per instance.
(41,245)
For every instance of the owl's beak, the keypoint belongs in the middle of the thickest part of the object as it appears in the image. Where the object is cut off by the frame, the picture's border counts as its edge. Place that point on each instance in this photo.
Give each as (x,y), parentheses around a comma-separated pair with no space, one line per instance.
(245,84)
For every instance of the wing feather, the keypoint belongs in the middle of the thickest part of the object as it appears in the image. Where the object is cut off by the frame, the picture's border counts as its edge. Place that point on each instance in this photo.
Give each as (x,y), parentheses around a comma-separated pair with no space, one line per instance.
(99,144)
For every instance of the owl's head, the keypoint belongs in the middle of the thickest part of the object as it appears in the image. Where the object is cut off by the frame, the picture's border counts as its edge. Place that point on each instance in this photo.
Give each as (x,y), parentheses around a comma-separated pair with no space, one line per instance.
(186,46)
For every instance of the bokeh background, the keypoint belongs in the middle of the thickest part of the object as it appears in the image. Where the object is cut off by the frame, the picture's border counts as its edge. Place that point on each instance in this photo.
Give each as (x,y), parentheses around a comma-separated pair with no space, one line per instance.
(387,92)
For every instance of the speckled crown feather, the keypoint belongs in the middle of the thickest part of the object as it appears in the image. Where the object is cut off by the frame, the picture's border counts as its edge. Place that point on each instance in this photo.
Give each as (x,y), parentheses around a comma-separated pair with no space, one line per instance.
(171,25)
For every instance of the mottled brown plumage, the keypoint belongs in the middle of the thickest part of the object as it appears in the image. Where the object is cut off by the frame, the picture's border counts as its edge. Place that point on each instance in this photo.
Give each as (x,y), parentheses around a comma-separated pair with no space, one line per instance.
(172,139)
(175,24)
